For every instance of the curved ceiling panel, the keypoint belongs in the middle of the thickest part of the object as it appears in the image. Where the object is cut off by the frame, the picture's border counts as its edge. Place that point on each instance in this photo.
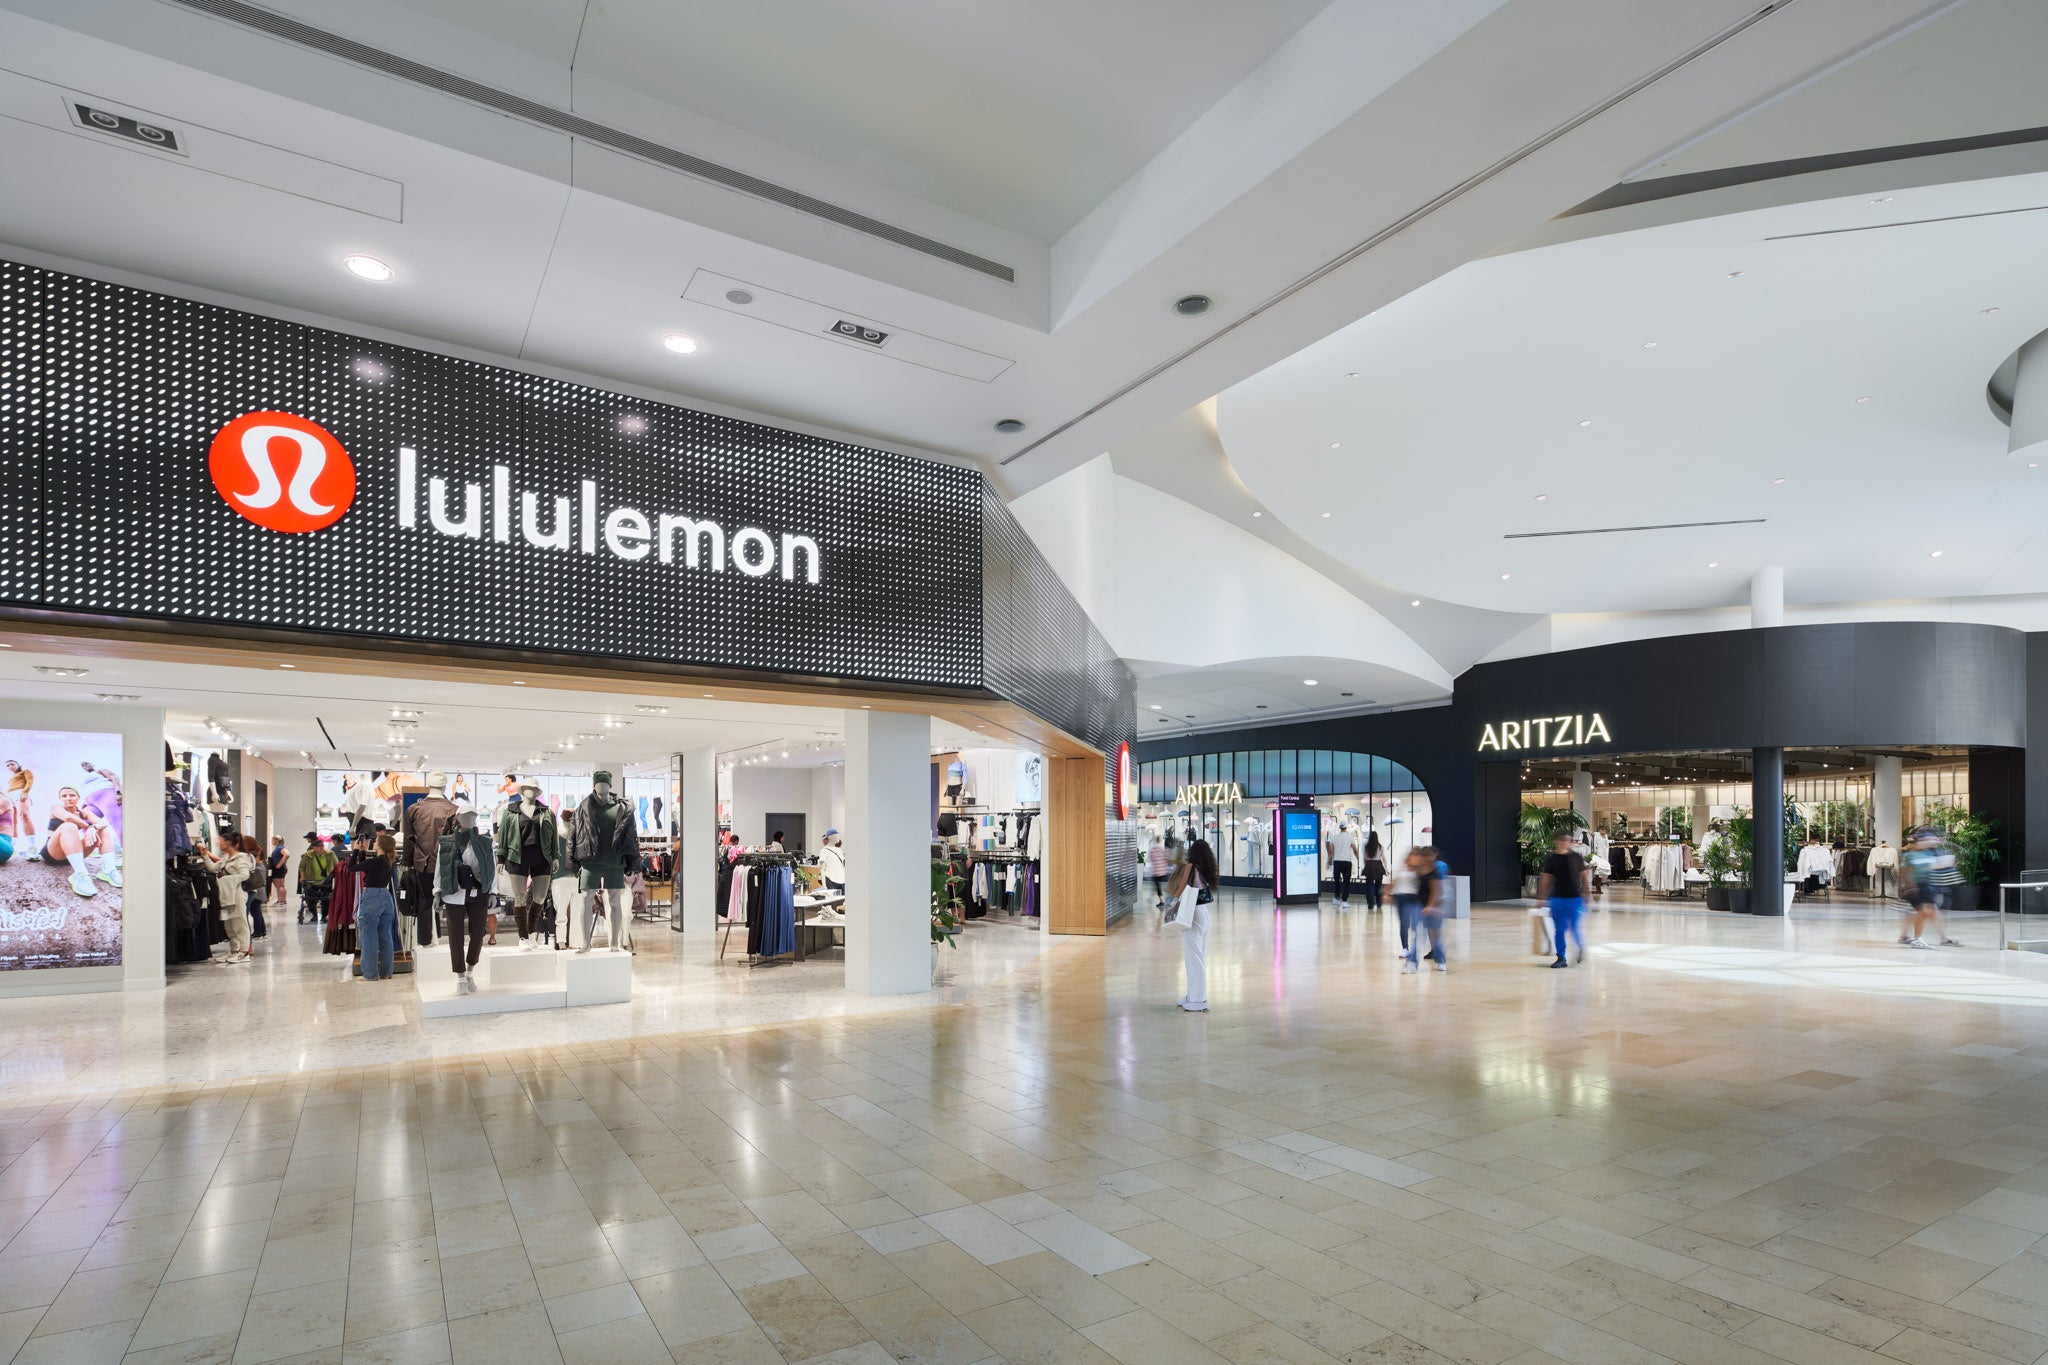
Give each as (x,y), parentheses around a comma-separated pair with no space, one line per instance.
(1637,421)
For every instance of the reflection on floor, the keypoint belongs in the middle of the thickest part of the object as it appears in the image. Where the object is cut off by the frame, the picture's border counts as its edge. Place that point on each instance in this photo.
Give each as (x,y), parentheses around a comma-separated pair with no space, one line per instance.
(1616,1162)
(293,1009)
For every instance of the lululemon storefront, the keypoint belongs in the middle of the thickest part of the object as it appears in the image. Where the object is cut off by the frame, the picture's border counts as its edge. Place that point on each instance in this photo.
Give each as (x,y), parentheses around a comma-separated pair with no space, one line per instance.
(197,485)
(1791,740)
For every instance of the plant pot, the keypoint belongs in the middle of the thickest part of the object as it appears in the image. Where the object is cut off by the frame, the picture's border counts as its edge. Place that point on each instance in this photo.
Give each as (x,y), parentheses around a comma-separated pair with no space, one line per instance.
(1966,898)
(1738,899)
(1528,888)
(1717,898)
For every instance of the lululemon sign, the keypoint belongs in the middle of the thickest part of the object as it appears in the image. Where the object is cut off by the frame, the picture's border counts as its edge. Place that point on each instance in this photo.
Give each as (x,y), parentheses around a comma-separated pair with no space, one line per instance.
(282,472)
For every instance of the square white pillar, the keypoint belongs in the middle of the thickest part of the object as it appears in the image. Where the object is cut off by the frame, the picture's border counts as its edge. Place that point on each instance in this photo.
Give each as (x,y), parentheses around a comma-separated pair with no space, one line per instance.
(697,825)
(888,853)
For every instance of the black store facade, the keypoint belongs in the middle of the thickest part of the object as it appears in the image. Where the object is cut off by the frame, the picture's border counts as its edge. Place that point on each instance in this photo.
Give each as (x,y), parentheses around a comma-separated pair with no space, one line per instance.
(1965,692)
(173,470)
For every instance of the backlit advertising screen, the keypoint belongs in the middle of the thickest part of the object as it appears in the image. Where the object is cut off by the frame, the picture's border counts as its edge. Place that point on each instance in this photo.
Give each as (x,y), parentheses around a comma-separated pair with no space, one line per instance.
(61,825)
(1300,853)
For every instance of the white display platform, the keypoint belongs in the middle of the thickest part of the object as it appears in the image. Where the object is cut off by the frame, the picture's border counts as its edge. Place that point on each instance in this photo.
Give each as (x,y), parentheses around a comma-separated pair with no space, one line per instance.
(508,979)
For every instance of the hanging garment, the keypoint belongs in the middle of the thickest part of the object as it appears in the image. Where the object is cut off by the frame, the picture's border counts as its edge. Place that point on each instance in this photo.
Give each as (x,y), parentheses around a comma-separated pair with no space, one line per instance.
(778,912)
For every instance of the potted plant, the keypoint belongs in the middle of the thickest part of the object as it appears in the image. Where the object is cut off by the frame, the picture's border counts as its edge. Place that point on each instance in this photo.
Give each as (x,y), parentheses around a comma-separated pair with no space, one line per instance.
(1740,842)
(946,906)
(1974,841)
(1540,827)
(1718,862)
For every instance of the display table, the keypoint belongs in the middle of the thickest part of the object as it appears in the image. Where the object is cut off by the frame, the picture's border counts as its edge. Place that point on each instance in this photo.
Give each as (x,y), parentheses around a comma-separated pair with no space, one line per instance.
(508,979)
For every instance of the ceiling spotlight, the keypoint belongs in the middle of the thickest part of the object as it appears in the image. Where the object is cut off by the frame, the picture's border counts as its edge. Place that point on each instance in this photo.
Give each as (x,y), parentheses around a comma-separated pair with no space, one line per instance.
(2031,464)
(1649,345)
(1882,199)
(614,723)
(1157,707)
(590,736)
(1863,398)
(403,713)
(1713,563)
(647,710)
(1504,578)
(1934,554)
(1777,481)
(1258,514)
(518,682)
(1262,706)
(1585,421)
(1351,374)
(1416,602)
(738,296)
(368,268)
(52,670)
(1543,497)
(1987,312)
(1336,445)
(1192,305)
(1010,426)
(865,707)
(1735,274)
(118,696)
(1308,682)
(681,343)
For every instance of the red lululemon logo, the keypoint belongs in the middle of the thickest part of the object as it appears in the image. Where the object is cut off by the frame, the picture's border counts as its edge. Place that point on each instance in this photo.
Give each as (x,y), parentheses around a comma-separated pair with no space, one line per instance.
(1123,782)
(282,472)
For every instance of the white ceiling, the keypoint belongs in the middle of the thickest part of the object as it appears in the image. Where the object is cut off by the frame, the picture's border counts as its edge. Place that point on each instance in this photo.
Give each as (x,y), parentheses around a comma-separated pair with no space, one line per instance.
(1471,393)
(1260,691)
(462,726)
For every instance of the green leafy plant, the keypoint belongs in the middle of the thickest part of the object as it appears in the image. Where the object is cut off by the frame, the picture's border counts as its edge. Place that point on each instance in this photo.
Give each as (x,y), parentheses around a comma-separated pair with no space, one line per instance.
(1974,838)
(1718,861)
(946,903)
(1540,827)
(1741,846)
(1675,820)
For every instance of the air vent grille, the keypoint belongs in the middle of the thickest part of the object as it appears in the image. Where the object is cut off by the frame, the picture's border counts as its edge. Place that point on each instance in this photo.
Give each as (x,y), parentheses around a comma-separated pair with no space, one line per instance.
(518,106)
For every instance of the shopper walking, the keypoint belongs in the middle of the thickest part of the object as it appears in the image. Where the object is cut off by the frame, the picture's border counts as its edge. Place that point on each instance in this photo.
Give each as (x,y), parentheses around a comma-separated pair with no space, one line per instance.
(1562,886)
(278,867)
(1927,877)
(1408,907)
(832,862)
(231,868)
(376,908)
(1372,870)
(1158,866)
(1432,897)
(316,879)
(1195,890)
(1342,847)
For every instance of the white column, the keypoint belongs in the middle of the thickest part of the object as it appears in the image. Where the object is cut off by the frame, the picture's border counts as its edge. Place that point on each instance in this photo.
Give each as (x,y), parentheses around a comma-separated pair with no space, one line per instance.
(697,825)
(1767,597)
(1884,800)
(888,847)
(1700,811)
(1582,793)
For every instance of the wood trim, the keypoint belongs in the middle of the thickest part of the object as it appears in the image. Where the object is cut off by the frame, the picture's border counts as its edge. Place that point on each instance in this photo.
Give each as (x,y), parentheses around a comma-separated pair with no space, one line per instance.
(1076,847)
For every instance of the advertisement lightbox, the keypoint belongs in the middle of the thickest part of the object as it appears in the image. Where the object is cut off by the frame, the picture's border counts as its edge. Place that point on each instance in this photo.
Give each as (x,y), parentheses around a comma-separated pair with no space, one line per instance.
(61,828)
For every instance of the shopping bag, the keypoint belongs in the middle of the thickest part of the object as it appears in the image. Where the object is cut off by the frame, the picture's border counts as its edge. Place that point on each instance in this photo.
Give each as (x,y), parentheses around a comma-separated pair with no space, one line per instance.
(1183,910)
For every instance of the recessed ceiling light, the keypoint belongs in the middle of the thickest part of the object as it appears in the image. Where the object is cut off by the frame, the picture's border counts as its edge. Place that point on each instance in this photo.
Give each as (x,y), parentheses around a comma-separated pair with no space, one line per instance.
(1157,707)
(518,682)
(118,696)
(1308,682)
(1777,481)
(1258,514)
(1585,421)
(1713,563)
(1351,374)
(1336,445)
(1543,497)
(1882,199)
(681,343)
(1504,577)
(1735,274)
(1010,426)
(1987,312)
(1649,345)
(1934,554)
(1262,706)
(2031,464)
(738,296)
(287,665)
(1189,716)
(52,670)
(590,736)
(2,646)
(1192,305)
(646,709)
(368,268)
(1326,514)
(1863,398)
(865,707)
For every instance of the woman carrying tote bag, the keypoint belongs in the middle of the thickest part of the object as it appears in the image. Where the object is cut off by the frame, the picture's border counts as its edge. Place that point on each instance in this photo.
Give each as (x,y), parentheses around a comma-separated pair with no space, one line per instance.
(1193,891)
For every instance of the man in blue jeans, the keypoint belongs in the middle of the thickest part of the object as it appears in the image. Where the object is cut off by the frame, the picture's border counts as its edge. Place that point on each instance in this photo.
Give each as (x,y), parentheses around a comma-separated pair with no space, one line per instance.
(1563,884)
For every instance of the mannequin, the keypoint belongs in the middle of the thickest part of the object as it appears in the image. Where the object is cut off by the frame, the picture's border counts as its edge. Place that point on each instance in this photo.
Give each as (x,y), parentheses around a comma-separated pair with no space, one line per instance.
(429,818)
(603,845)
(530,850)
(462,879)
(1883,866)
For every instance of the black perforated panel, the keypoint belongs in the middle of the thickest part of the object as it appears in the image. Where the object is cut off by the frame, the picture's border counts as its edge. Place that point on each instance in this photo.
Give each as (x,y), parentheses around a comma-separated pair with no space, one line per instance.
(122,391)
(1040,650)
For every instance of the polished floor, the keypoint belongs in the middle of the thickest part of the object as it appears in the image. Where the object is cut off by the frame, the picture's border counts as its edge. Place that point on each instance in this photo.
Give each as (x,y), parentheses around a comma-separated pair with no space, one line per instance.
(1720,1140)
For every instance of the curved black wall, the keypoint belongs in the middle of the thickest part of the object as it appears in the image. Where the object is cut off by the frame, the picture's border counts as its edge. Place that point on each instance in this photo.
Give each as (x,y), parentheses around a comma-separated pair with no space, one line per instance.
(1860,683)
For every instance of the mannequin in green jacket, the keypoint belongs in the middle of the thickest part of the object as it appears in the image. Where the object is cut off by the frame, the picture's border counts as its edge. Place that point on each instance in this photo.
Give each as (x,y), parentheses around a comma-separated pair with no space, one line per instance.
(604,844)
(530,850)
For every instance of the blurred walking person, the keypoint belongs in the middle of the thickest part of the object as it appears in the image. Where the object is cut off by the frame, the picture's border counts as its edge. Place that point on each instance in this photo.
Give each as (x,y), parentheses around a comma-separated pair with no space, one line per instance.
(1192,893)
(1563,887)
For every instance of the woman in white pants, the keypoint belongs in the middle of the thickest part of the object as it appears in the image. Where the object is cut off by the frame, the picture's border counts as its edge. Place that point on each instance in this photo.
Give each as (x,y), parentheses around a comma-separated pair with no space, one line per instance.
(1195,908)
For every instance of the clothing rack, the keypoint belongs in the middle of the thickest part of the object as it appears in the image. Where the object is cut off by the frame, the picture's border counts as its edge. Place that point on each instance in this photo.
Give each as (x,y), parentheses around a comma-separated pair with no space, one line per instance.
(764,860)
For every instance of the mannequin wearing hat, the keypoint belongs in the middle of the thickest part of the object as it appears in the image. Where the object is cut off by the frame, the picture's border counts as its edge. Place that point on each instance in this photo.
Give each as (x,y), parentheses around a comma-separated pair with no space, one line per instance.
(604,842)
(529,849)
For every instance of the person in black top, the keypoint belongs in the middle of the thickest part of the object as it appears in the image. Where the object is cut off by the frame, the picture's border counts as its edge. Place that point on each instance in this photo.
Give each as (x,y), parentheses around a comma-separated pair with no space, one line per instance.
(1563,885)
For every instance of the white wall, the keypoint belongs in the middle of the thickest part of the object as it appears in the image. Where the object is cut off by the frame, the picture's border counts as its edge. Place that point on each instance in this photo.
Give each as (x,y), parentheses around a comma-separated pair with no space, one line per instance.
(142,900)
(1107,536)
(758,789)
(292,806)
(828,802)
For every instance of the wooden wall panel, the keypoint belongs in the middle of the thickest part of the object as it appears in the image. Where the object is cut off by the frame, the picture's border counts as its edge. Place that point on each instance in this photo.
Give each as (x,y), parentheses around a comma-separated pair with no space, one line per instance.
(1075,845)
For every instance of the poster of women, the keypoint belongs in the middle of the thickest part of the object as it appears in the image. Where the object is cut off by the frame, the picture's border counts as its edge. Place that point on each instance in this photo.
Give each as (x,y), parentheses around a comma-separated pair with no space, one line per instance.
(61,827)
